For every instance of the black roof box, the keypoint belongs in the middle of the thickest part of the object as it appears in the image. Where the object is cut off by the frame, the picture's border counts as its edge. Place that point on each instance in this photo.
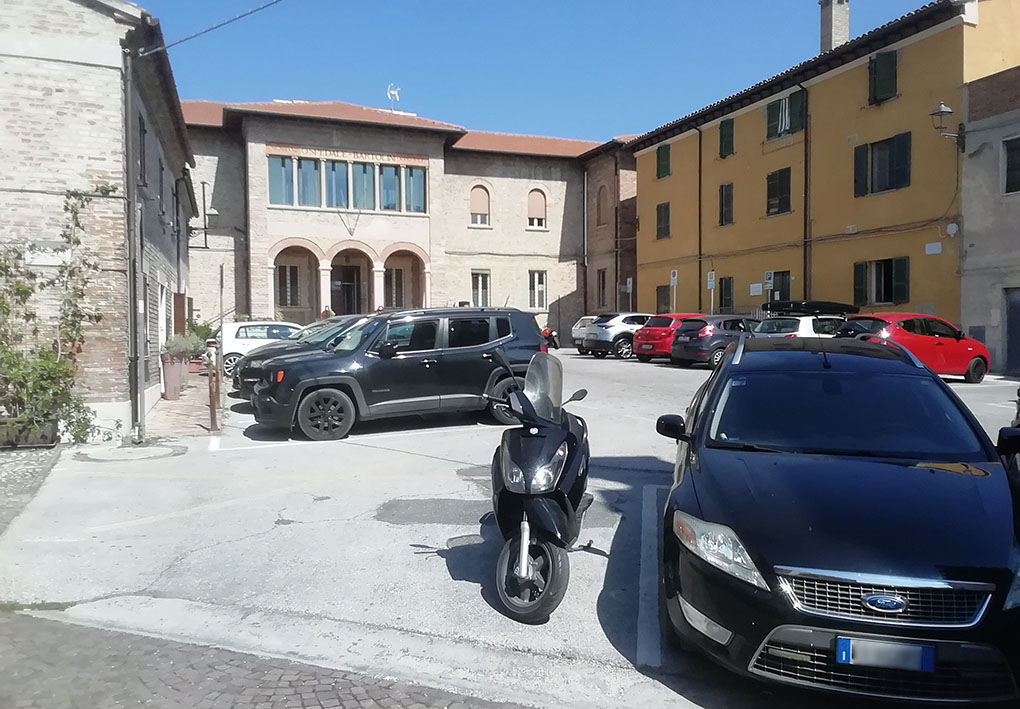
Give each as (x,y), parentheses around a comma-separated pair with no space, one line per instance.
(808,307)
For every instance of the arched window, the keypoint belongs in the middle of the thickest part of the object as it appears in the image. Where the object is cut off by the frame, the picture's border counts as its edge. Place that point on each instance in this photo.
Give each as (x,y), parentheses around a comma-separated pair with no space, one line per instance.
(536,209)
(479,206)
(602,206)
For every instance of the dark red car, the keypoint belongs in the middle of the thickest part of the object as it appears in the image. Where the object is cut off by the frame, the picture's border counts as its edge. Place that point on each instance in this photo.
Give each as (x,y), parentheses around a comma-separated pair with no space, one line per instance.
(937,343)
(656,337)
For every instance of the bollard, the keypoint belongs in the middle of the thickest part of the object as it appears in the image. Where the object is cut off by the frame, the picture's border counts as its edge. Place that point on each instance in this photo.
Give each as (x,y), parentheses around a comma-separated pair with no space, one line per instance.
(214,397)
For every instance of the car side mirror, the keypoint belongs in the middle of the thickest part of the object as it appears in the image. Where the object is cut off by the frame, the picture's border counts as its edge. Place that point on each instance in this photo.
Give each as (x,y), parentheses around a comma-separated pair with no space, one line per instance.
(959,335)
(387,350)
(672,426)
(578,395)
(1009,442)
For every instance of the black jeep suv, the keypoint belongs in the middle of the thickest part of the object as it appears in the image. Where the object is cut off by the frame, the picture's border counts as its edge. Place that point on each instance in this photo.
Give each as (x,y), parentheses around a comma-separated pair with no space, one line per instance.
(395,364)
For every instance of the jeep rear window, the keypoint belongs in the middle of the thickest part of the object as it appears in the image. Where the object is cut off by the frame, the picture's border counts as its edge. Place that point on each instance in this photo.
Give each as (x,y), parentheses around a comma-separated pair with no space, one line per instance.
(778,326)
(659,322)
(603,319)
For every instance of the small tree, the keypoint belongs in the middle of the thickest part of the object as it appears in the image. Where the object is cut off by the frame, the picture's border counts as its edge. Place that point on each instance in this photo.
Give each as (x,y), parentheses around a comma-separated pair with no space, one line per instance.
(39,362)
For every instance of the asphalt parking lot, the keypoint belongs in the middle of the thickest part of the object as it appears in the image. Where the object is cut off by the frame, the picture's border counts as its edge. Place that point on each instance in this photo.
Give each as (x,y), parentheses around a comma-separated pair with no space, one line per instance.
(374,554)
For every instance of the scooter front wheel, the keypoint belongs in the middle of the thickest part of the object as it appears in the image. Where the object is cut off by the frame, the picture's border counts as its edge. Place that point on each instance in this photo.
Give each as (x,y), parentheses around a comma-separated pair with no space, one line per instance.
(532,600)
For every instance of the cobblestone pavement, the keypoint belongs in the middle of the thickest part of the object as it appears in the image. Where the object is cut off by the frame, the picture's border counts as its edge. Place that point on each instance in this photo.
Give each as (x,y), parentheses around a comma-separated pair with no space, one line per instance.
(50,665)
(22,471)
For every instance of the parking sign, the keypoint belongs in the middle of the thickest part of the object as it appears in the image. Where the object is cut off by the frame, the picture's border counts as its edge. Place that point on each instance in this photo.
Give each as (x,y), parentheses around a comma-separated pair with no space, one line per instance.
(770,278)
(672,277)
(711,280)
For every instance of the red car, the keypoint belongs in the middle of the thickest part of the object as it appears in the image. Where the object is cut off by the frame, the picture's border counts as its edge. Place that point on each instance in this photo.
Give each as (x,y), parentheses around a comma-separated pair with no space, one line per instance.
(656,337)
(934,341)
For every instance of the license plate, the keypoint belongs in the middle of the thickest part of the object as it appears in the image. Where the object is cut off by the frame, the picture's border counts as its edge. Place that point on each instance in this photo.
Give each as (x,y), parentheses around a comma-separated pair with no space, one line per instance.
(879,653)
(647,347)
(578,342)
(683,339)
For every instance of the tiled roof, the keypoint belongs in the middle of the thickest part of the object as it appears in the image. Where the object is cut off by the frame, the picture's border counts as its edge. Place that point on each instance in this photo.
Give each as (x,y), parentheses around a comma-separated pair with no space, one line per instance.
(210,113)
(909,24)
(523,144)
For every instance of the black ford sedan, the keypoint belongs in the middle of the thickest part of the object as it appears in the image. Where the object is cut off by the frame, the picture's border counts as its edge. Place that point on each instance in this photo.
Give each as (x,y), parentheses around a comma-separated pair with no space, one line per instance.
(839,520)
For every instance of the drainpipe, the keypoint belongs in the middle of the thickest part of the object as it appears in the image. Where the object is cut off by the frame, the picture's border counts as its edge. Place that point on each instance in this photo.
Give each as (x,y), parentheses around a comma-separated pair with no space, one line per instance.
(136,345)
(584,246)
(616,230)
(701,294)
(807,197)
(205,216)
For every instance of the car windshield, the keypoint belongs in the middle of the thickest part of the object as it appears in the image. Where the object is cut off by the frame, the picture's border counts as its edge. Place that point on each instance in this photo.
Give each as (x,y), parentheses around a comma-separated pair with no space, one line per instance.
(659,321)
(310,331)
(543,385)
(354,337)
(325,334)
(842,413)
(603,319)
(778,326)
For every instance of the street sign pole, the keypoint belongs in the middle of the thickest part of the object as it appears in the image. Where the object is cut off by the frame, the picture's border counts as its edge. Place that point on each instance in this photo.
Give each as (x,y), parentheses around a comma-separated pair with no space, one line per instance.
(672,290)
(711,289)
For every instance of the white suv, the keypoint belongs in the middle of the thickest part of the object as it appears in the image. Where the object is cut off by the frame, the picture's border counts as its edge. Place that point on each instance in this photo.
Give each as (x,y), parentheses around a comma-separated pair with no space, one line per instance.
(799,326)
(614,333)
(578,330)
(236,339)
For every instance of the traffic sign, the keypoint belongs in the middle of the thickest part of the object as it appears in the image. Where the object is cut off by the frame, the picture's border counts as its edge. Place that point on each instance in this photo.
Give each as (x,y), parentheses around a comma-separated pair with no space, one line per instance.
(770,278)
(672,277)
(711,280)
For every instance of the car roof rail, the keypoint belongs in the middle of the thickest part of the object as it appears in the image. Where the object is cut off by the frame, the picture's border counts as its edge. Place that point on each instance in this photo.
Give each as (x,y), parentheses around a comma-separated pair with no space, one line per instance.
(740,348)
(866,336)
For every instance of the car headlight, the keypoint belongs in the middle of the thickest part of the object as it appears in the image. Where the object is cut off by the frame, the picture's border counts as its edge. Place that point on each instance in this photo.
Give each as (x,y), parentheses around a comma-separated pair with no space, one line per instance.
(253,364)
(546,476)
(719,546)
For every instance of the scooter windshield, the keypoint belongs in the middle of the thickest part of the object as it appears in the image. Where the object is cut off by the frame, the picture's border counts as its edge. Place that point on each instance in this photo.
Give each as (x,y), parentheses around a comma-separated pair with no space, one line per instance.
(543,386)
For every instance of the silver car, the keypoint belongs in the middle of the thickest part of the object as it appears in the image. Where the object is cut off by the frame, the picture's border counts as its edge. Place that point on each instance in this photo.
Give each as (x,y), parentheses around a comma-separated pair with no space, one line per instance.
(578,330)
(614,332)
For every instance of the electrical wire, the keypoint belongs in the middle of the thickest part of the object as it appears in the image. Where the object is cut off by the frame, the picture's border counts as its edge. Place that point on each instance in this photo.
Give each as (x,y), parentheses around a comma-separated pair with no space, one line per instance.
(165,47)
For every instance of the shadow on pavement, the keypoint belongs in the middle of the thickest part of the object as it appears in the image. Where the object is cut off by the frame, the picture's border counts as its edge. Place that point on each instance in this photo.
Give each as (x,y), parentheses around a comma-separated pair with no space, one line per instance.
(243,407)
(259,432)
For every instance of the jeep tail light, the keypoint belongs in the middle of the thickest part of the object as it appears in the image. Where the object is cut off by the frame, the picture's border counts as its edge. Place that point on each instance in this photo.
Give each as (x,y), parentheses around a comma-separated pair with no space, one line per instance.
(604,327)
(706,331)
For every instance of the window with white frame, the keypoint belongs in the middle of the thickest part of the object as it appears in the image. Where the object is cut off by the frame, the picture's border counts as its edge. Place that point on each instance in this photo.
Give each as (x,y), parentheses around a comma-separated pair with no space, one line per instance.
(281,180)
(415,189)
(536,289)
(364,185)
(479,206)
(1011,159)
(536,209)
(308,183)
(287,292)
(336,184)
(480,289)
(389,187)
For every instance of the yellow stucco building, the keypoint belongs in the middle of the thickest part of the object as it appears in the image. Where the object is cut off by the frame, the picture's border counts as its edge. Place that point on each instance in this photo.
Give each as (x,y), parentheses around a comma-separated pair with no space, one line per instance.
(826,182)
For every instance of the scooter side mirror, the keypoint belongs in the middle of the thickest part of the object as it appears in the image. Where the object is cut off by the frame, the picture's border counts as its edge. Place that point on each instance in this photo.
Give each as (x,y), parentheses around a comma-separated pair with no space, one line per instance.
(578,395)
(1009,442)
(672,426)
(515,402)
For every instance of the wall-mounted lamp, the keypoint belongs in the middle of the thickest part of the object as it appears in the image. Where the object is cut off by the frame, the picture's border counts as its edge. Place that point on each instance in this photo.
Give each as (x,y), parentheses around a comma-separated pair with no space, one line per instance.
(938,121)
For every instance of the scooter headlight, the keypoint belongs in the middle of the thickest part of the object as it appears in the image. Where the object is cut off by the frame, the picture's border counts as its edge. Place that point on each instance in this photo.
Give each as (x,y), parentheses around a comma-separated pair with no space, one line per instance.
(546,476)
(513,476)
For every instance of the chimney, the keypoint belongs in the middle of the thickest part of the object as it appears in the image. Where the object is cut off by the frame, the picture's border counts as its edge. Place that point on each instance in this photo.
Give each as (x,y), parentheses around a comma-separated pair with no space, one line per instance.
(835,23)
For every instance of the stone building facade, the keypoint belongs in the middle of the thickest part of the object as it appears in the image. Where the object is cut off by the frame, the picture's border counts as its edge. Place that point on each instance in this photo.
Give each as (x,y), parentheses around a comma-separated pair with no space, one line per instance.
(315,206)
(991,217)
(79,108)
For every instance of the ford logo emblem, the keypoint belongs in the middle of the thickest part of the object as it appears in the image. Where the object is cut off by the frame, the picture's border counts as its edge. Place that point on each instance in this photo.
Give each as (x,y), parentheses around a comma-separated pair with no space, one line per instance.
(884,603)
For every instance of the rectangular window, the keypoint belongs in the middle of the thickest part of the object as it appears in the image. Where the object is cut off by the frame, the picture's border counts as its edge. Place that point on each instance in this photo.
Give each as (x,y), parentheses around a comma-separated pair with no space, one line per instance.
(287,291)
(308,183)
(162,188)
(389,175)
(281,180)
(886,281)
(882,166)
(662,164)
(778,189)
(538,222)
(726,138)
(601,282)
(882,77)
(364,185)
(726,294)
(725,204)
(662,221)
(336,184)
(1011,156)
(393,285)
(480,289)
(479,219)
(785,115)
(468,332)
(142,163)
(415,189)
(536,289)
(662,299)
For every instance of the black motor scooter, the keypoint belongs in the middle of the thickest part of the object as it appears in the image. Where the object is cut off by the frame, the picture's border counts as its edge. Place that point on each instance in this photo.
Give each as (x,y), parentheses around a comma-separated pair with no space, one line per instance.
(539,476)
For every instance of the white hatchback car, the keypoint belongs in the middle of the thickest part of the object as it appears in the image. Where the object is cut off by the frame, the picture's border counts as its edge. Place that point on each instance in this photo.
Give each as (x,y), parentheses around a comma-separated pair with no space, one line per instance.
(236,339)
(799,326)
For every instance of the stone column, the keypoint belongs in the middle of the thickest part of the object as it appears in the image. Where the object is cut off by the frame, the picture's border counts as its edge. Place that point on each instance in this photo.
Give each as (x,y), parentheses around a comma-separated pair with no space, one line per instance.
(325,276)
(427,289)
(272,294)
(378,286)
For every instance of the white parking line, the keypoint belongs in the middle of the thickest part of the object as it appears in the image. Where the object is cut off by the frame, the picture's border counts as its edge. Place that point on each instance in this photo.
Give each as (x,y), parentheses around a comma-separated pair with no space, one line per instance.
(649,651)
(214,443)
(1002,406)
(256,445)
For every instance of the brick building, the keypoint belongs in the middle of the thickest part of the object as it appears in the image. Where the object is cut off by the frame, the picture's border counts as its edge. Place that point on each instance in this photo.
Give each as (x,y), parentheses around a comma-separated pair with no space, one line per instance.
(309,205)
(82,104)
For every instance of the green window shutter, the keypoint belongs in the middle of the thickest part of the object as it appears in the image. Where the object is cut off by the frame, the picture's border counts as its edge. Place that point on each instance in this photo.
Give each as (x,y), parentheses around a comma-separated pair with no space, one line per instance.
(722,204)
(882,77)
(772,113)
(726,292)
(901,280)
(726,138)
(901,160)
(784,190)
(797,111)
(861,170)
(662,221)
(662,166)
(861,283)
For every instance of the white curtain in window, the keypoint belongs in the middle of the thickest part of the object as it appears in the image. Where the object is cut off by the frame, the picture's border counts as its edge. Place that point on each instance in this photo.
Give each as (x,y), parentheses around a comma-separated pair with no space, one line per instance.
(784,115)
(536,205)
(479,200)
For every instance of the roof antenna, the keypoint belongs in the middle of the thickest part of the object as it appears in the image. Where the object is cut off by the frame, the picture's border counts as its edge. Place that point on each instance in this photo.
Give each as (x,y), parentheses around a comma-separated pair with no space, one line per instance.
(393,94)
(825,355)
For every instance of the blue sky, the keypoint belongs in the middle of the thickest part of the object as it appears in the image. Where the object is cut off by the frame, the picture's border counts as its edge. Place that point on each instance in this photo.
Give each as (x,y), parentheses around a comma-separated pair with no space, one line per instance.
(571,69)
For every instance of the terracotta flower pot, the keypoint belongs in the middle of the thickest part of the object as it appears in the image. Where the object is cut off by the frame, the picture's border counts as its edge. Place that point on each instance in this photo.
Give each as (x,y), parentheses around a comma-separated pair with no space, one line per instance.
(171,377)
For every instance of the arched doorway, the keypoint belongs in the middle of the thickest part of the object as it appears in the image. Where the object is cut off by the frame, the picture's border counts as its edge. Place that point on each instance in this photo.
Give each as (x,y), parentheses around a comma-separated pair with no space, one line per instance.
(296,284)
(405,277)
(350,282)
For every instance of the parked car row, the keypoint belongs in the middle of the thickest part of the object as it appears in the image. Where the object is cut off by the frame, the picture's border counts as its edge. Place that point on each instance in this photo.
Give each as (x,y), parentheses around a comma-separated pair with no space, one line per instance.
(691,338)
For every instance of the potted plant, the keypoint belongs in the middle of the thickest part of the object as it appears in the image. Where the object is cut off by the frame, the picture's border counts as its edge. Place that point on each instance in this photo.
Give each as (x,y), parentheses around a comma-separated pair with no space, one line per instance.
(201,332)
